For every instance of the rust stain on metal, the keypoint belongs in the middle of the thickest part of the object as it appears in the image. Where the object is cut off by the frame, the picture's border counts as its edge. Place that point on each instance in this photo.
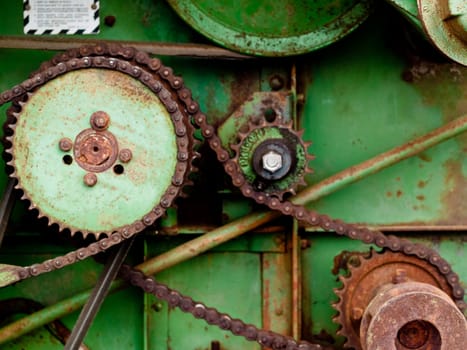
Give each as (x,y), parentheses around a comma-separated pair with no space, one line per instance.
(443,86)
(267,321)
(455,205)
(424,157)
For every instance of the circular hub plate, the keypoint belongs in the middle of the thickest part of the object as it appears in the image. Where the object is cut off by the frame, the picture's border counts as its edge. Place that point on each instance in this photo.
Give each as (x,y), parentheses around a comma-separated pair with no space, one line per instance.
(52,177)
(270,27)
(95,151)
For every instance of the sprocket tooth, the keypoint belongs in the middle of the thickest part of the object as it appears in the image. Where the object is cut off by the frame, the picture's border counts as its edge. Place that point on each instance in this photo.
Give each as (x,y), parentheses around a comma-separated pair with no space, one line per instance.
(235,147)
(84,233)
(40,215)
(193,169)
(189,183)
(12,127)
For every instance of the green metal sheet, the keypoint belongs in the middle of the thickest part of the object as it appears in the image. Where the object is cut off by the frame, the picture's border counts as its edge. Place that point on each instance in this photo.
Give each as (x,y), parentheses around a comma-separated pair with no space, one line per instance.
(358,110)
(233,281)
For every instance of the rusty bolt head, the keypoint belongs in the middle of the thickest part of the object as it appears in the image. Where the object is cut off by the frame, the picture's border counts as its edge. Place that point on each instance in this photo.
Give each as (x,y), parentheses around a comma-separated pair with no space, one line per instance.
(357,313)
(276,82)
(90,179)
(272,161)
(125,155)
(400,277)
(100,120)
(65,144)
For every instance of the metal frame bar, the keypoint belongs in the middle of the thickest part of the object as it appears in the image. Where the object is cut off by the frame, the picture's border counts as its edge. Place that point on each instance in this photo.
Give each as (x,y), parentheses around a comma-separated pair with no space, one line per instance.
(237,227)
(163,49)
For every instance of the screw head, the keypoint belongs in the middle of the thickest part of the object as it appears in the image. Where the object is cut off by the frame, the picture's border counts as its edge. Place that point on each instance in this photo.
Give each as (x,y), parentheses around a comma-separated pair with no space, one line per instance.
(357,313)
(90,179)
(125,155)
(65,144)
(100,120)
(272,161)
(276,82)
(400,276)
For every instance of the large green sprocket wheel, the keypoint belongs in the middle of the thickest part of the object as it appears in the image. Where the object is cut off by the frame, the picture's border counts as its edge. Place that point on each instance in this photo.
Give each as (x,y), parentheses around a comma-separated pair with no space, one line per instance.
(96,150)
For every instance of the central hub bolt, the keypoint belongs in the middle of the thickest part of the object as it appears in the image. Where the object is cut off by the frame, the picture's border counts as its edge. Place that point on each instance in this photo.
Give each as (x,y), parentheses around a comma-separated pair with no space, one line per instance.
(272,161)
(100,120)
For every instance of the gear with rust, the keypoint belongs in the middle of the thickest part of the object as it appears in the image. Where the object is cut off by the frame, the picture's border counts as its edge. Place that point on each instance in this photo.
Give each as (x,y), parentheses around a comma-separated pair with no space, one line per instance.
(272,156)
(96,134)
(366,276)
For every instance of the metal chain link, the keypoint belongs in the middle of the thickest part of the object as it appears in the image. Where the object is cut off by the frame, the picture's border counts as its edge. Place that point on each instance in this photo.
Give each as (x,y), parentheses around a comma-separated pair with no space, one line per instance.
(159,78)
(212,316)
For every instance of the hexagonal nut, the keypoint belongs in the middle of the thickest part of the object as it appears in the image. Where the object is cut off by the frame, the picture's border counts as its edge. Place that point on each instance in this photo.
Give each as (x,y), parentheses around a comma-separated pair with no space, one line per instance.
(272,161)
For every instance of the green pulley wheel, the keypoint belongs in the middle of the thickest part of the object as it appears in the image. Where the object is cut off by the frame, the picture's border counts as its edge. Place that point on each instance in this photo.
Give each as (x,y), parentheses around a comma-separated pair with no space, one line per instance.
(273,28)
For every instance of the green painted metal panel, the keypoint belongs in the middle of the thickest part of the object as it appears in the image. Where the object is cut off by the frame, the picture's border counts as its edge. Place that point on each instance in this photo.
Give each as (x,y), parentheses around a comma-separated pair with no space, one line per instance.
(234,290)
(359,109)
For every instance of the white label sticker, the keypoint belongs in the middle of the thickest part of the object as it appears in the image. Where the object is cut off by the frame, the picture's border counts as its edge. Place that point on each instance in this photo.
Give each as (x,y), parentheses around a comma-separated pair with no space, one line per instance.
(61,16)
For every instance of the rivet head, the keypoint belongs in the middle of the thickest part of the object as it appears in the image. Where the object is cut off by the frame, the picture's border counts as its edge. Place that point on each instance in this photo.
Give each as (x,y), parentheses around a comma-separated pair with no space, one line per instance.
(100,120)
(125,155)
(90,179)
(65,144)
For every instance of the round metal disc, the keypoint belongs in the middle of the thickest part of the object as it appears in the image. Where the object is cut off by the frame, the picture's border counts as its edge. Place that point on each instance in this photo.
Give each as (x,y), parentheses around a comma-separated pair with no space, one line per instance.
(52,178)
(445,22)
(270,27)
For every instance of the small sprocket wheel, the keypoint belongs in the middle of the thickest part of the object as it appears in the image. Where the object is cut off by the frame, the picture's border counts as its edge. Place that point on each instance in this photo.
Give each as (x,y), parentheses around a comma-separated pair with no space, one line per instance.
(272,157)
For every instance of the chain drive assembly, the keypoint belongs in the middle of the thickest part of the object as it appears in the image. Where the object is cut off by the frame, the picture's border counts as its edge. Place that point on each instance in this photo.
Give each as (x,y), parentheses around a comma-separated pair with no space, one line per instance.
(178,101)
